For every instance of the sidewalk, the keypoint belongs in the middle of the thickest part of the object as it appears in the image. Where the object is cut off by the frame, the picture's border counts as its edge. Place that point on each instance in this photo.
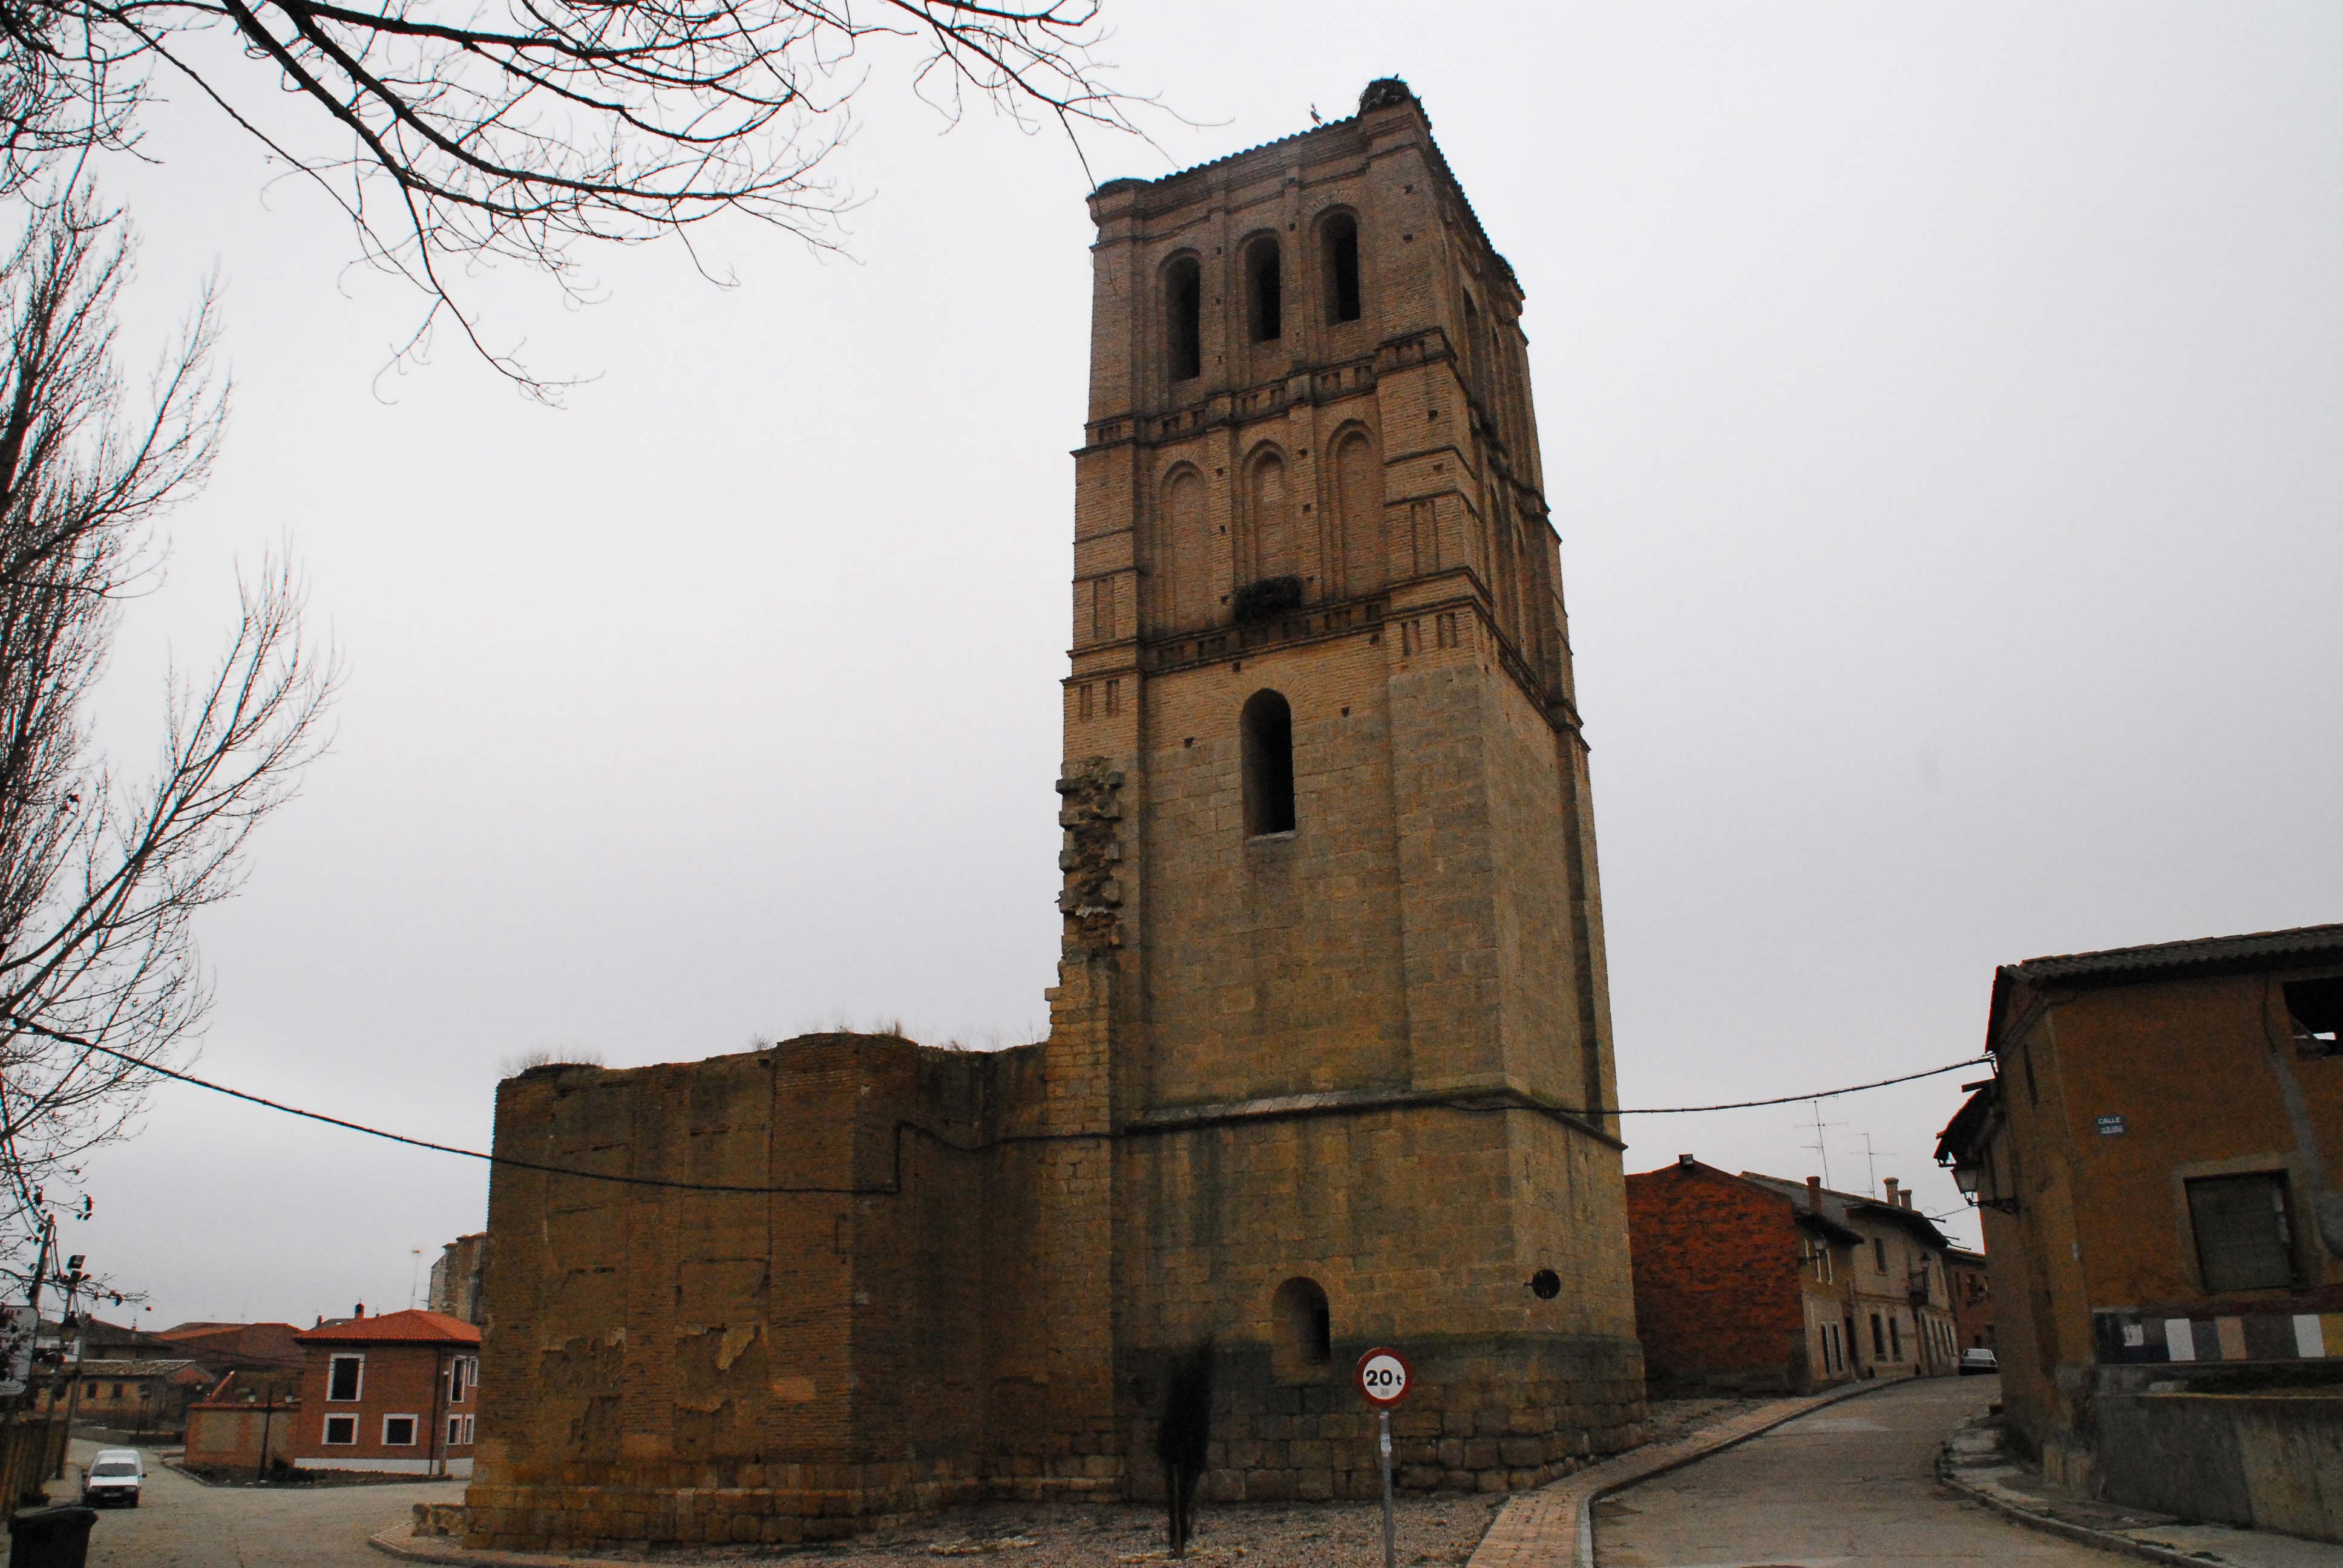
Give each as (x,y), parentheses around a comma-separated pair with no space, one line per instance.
(1973,1463)
(1553,1527)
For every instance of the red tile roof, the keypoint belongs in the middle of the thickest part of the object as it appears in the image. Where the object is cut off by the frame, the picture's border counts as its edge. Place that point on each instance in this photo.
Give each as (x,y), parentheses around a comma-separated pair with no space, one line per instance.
(409,1327)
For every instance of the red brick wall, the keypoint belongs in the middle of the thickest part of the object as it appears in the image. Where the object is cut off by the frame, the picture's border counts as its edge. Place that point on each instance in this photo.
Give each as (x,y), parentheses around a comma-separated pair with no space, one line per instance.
(399,1380)
(1716,1281)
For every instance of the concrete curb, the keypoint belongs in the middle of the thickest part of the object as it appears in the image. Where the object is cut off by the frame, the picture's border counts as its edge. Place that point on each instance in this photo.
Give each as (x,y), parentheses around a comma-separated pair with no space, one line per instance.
(2107,1540)
(1537,1527)
(2235,1548)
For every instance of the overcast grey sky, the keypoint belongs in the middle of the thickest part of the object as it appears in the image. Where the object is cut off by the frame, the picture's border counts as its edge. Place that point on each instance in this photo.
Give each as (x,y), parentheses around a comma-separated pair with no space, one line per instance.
(1943,410)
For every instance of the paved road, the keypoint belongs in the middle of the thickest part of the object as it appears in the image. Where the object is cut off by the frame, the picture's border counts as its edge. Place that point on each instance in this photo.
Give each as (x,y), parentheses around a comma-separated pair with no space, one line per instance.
(1853,1482)
(181,1524)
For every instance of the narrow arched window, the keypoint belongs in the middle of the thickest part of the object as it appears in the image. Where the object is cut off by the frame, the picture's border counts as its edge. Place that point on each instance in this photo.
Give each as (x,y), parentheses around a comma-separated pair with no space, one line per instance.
(1359,503)
(1303,1329)
(1265,290)
(1183,311)
(1341,239)
(1268,727)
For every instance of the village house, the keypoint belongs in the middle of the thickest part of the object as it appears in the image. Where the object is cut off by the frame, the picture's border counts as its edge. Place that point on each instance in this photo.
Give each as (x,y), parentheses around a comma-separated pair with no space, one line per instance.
(236,1347)
(1900,1305)
(397,1391)
(1739,1288)
(145,1396)
(1715,1258)
(1968,1275)
(2156,1157)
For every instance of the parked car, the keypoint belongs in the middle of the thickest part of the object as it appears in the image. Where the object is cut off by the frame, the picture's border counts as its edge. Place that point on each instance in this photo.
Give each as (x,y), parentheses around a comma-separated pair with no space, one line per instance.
(113,1477)
(1978,1361)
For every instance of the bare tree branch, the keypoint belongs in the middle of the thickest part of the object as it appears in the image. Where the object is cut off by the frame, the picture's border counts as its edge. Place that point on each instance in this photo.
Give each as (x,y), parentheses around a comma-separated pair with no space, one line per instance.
(100,877)
(515,129)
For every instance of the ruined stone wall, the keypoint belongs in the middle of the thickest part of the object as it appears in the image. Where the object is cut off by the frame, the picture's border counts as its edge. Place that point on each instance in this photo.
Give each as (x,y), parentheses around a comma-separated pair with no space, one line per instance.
(893,1333)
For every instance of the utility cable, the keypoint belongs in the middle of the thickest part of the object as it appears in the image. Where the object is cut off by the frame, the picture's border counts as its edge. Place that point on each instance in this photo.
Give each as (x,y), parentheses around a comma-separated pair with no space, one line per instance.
(895,1186)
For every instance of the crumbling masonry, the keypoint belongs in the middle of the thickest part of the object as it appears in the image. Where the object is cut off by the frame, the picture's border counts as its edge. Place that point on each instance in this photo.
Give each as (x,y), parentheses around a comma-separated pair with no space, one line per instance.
(1329,1046)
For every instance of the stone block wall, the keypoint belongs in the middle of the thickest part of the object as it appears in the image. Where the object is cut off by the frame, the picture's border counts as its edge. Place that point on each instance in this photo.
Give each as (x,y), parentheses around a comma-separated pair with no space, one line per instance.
(885,1330)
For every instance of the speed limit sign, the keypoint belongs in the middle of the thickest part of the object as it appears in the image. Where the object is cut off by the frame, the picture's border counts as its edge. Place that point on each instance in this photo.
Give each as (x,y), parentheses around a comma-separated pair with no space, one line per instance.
(1384,1377)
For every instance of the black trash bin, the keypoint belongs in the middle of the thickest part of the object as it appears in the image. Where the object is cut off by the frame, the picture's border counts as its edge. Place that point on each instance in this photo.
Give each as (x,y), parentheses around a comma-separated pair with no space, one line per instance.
(50,1537)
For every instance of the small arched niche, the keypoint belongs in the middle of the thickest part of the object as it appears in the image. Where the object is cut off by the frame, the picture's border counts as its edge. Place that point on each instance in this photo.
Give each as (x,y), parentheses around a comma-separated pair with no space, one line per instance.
(1267,725)
(1265,289)
(1338,241)
(1301,1330)
(1183,317)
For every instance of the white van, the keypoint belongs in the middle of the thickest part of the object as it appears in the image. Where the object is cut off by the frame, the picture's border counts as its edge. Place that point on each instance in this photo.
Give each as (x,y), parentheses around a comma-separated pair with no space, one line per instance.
(113,1477)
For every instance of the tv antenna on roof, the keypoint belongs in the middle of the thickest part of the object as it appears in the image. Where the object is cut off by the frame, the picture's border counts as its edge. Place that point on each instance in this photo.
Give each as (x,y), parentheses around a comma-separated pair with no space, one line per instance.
(1821,1145)
(1871,1160)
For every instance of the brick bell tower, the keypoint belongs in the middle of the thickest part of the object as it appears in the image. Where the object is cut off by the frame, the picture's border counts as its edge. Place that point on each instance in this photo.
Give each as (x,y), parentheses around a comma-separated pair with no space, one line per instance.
(1333,971)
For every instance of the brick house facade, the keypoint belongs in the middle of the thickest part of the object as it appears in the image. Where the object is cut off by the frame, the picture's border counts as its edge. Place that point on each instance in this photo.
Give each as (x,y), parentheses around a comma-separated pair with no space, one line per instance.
(1331,985)
(393,1392)
(1739,1288)
(2157,1158)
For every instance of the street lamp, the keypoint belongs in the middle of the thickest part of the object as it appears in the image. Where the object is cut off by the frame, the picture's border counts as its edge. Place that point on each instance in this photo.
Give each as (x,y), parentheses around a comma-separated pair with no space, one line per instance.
(1968,1178)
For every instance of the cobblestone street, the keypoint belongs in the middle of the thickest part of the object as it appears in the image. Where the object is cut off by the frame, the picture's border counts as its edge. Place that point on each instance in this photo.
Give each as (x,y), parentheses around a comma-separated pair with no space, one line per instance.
(182,1523)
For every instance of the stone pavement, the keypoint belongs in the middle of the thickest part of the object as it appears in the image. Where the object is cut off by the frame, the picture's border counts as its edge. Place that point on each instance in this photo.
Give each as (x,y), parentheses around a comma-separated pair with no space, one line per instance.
(1551,1527)
(182,1523)
(1851,1485)
(1973,1461)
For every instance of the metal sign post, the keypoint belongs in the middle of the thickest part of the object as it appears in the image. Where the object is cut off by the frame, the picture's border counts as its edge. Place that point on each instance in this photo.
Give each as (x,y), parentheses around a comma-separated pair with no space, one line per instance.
(1384,1378)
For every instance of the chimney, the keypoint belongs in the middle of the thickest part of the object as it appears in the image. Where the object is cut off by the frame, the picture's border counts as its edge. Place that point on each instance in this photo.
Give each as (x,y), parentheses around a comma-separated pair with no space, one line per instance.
(1906,1196)
(359,1311)
(1890,1185)
(1814,1193)
(1686,1160)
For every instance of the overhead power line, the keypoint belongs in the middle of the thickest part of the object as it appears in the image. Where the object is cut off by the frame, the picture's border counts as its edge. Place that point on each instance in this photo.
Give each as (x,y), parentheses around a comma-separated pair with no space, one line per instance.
(895,1184)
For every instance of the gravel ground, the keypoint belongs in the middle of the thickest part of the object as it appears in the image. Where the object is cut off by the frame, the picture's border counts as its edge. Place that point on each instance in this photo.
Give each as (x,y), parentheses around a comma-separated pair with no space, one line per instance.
(1440,1529)
(1674,1418)
(1435,1530)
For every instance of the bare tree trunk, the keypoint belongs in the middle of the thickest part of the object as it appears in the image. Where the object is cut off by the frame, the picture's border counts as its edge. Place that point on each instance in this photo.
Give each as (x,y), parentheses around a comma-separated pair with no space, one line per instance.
(100,876)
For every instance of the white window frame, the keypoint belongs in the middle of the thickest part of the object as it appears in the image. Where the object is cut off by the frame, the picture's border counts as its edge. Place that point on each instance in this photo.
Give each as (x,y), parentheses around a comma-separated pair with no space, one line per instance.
(414,1430)
(326,1438)
(334,1361)
(459,1430)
